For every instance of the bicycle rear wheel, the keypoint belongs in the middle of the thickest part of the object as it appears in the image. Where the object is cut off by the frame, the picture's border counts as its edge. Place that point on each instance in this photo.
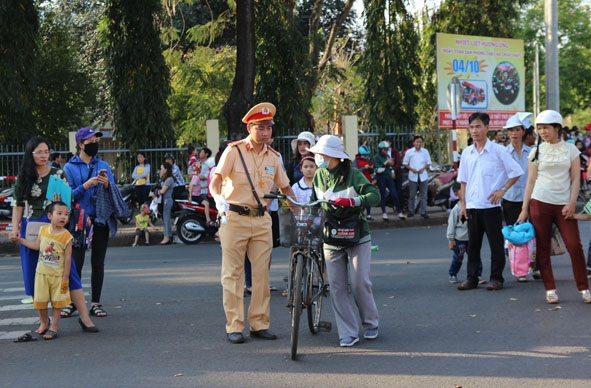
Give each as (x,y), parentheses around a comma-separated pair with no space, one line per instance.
(296,306)
(315,285)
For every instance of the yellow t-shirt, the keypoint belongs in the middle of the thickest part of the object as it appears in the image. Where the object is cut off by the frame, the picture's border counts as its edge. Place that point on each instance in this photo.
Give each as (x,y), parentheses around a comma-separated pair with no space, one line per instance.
(142,221)
(52,251)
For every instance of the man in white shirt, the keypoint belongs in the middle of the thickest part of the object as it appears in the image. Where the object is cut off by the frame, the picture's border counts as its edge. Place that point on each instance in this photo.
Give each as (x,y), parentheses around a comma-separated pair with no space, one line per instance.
(486,173)
(417,161)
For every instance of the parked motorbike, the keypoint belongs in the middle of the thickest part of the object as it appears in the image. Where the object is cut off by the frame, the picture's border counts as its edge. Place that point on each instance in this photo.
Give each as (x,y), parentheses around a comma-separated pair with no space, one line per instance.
(190,222)
(440,181)
(5,202)
(128,195)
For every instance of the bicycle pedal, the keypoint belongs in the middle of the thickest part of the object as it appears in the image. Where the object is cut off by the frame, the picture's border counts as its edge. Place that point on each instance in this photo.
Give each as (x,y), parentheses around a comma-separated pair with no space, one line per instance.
(324,326)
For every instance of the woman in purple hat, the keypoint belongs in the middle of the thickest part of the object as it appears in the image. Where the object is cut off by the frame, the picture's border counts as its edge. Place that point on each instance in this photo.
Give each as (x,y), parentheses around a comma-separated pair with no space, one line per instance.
(86,175)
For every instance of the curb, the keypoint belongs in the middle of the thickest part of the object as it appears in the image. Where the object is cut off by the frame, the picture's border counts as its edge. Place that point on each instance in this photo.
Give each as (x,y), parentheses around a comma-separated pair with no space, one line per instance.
(126,233)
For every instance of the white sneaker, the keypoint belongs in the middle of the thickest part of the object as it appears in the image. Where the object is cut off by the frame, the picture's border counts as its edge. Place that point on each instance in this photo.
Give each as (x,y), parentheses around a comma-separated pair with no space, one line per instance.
(134,245)
(552,298)
(586,296)
(401,216)
(385,216)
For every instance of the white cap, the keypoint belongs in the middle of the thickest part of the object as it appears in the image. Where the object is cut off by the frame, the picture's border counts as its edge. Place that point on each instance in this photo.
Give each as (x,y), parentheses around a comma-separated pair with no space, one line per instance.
(330,145)
(519,119)
(549,117)
(304,136)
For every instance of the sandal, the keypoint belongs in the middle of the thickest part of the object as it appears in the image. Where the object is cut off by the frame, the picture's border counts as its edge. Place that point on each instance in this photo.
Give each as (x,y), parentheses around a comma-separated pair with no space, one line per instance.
(27,337)
(68,311)
(50,335)
(98,311)
(212,223)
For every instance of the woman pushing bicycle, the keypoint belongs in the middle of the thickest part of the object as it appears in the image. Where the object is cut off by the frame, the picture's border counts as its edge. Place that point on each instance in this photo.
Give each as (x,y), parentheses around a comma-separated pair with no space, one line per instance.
(346,237)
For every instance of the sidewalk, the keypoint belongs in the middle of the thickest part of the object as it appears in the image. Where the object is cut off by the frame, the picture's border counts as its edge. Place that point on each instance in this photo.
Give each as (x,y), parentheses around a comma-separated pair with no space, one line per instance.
(126,233)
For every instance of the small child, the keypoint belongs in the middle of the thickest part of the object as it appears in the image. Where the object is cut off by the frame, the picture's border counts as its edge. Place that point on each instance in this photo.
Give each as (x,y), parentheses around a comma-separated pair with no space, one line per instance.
(195,191)
(142,221)
(365,163)
(54,244)
(303,188)
(457,234)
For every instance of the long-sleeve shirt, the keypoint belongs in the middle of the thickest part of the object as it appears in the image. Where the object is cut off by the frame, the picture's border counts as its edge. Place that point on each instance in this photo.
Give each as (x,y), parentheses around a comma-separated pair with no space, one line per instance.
(456,229)
(517,191)
(141,174)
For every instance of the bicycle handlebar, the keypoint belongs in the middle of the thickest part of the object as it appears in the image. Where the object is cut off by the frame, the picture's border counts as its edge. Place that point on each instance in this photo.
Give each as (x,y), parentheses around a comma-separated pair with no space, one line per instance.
(300,204)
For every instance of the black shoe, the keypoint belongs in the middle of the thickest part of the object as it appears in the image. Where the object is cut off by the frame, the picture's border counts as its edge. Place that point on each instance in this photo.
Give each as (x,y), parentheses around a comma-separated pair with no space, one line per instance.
(467,285)
(235,337)
(494,285)
(263,334)
(425,216)
(87,329)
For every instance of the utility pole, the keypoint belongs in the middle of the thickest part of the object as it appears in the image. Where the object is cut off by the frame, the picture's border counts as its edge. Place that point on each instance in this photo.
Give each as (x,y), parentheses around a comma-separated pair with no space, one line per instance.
(536,81)
(552,77)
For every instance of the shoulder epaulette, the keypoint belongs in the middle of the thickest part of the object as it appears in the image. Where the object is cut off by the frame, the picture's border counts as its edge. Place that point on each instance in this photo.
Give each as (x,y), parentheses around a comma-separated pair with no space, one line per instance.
(273,150)
(234,143)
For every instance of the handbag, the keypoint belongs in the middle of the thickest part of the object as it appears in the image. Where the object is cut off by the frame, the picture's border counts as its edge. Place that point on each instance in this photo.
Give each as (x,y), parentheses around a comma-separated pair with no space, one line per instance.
(557,243)
(344,231)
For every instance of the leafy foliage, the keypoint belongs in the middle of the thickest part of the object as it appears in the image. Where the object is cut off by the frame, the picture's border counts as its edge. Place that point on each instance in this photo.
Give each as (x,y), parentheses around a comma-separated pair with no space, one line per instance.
(138,75)
(390,63)
(18,70)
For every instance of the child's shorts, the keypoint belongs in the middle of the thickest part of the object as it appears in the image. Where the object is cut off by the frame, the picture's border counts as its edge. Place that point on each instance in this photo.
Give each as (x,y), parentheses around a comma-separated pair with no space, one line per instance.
(47,288)
(140,232)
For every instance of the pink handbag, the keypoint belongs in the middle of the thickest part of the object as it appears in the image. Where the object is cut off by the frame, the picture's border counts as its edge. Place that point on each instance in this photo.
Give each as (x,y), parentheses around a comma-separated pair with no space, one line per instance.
(522,258)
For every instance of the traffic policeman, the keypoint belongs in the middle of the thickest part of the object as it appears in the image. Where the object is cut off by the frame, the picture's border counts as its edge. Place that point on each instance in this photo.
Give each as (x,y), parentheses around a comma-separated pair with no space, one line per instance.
(246,225)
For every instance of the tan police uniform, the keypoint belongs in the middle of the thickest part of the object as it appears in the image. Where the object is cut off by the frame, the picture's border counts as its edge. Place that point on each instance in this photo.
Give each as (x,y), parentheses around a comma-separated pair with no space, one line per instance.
(247,231)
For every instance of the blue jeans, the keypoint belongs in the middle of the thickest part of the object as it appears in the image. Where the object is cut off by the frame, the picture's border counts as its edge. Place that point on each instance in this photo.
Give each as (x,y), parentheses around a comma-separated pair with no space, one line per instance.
(247,273)
(458,257)
(589,255)
(387,182)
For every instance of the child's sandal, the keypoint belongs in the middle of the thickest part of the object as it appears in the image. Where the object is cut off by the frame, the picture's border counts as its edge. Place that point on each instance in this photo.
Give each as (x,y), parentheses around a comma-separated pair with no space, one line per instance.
(98,311)
(50,335)
(68,311)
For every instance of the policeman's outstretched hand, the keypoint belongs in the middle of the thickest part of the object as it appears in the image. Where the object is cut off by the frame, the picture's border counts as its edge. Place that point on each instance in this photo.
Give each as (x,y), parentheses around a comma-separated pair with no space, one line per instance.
(347,202)
(221,204)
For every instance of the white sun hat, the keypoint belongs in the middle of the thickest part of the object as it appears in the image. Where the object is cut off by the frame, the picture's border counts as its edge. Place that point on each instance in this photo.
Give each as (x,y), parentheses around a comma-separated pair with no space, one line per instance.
(519,119)
(303,136)
(330,145)
(549,117)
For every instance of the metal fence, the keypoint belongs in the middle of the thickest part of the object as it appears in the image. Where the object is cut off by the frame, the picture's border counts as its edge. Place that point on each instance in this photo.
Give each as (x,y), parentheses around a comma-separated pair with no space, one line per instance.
(122,161)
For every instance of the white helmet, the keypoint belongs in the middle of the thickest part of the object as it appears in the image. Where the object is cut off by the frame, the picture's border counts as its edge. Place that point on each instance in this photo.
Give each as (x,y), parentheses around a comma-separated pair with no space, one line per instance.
(549,117)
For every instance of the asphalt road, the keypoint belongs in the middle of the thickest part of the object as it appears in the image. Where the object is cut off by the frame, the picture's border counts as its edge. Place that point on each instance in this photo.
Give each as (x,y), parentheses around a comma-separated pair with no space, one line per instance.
(166,327)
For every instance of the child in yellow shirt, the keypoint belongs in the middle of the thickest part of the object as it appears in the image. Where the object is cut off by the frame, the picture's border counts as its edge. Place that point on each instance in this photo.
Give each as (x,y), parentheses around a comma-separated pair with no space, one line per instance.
(142,221)
(54,244)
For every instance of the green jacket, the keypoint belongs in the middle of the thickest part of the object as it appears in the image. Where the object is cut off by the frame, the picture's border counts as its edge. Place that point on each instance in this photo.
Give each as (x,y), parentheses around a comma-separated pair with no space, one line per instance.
(379,163)
(356,185)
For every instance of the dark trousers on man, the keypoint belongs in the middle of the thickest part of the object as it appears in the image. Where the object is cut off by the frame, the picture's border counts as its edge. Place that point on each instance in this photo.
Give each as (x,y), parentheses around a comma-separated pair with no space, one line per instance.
(489,221)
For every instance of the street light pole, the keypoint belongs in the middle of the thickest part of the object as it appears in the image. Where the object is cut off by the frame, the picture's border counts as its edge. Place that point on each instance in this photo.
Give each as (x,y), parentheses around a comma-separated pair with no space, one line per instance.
(552,77)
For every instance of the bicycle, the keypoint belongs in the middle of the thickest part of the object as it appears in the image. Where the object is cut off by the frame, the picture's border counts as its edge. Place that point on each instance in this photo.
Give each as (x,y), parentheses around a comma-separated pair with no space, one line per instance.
(306,284)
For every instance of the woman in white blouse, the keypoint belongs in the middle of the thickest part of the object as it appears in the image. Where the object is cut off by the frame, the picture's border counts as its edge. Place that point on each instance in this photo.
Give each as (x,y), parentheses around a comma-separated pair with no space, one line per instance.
(550,198)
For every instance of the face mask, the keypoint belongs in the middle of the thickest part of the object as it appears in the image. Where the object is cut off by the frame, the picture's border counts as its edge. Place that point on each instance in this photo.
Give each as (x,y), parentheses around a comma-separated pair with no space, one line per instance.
(320,162)
(91,149)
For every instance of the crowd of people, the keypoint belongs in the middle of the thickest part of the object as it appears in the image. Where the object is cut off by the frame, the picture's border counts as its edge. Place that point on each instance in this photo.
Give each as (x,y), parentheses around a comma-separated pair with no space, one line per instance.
(498,183)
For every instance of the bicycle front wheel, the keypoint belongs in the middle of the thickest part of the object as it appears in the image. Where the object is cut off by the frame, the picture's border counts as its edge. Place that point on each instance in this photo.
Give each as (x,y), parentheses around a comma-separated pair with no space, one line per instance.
(315,285)
(296,307)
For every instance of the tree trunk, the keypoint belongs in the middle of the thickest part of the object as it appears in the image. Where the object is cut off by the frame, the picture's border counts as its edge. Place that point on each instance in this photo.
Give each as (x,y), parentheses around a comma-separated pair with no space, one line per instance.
(240,99)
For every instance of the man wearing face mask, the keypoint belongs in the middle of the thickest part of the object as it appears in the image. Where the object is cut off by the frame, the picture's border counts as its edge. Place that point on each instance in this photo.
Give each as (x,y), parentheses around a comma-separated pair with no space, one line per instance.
(86,175)
(384,167)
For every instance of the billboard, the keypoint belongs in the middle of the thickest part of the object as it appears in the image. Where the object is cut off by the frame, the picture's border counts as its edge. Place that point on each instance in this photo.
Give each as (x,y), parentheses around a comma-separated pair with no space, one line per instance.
(491,73)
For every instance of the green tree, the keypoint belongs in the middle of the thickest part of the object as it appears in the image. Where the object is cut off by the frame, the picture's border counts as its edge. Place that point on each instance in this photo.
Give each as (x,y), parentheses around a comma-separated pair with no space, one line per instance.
(574,60)
(390,64)
(18,55)
(65,94)
(139,77)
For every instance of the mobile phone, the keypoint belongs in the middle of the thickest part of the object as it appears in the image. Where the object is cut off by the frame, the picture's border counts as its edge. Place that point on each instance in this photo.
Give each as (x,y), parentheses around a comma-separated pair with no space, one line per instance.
(103,172)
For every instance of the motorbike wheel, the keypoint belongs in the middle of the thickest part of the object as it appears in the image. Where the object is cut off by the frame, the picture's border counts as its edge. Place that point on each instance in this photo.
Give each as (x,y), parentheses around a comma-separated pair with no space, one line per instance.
(131,207)
(186,235)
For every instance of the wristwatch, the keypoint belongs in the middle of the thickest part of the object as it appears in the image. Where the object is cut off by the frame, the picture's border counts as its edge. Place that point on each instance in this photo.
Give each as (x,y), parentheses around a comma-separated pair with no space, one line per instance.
(504,189)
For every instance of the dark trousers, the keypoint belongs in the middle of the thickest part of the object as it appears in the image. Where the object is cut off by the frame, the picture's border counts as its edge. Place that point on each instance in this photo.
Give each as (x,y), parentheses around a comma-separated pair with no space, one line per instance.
(489,221)
(543,215)
(142,194)
(511,211)
(386,182)
(100,238)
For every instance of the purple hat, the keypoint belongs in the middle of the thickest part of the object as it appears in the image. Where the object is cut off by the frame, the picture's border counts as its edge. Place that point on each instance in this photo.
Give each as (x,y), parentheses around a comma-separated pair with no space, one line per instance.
(86,133)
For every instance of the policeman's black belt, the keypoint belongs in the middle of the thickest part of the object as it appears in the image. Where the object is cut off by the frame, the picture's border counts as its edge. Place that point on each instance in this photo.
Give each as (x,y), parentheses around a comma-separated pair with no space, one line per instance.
(246,211)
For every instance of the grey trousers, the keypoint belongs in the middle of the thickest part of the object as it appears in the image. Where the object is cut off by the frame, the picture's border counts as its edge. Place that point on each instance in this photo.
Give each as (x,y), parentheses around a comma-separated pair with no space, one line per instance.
(359,258)
(412,194)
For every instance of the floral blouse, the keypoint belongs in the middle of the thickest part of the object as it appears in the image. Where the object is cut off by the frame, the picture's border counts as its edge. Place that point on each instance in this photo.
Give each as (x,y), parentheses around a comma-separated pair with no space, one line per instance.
(37,202)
